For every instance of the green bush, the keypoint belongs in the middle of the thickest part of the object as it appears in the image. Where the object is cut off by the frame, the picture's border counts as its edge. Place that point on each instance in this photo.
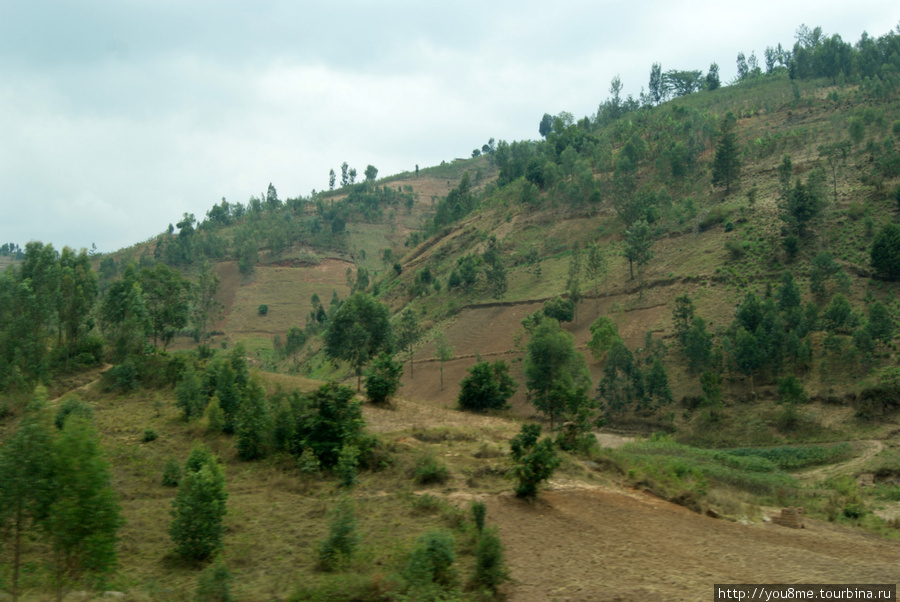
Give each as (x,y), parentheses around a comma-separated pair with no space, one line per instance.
(535,460)
(214,584)
(479,510)
(149,435)
(123,377)
(338,549)
(429,471)
(171,473)
(854,511)
(431,561)
(490,567)
(72,406)
(347,465)
(263,310)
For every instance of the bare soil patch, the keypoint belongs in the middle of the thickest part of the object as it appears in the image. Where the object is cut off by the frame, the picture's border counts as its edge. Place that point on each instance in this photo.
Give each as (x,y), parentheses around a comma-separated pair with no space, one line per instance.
(594,544)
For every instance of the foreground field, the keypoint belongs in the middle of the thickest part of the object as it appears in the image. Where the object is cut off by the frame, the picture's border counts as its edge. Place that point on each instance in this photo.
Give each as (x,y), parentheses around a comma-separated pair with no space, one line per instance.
(589,536)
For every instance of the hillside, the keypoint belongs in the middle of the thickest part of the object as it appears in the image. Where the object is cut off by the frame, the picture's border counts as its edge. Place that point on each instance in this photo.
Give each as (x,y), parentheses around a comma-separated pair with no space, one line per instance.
(730,256)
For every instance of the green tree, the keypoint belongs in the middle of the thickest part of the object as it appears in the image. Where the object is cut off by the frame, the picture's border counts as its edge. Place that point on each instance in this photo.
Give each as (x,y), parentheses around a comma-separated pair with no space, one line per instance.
(486,387)
(747,353)
(573,281)
(638,249)
(604,333)
(330,419)
(78,293)
(656,90)
(535,460)
(803,204)
(206,307)
(835,155)
(495,272)
(338,549)
(359,330)
(214,583)
(727,162)
(444,351)
(431,562)
(490,567)
(885,253)
(254,423)
(331,179)
(559,309)
(383,378)
(683,316)
(824,268)
(199,508)
(712,77)
(166,300)
(123,316)
(555,373)
(83,520)
(546,125)
(371,173)
(26,479)
(596,268)
(189,395)
(409,330)
(880,326)
(698,346)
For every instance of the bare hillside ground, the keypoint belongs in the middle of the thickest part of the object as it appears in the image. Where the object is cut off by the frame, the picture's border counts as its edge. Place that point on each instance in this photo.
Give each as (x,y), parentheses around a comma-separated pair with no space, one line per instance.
(598,544)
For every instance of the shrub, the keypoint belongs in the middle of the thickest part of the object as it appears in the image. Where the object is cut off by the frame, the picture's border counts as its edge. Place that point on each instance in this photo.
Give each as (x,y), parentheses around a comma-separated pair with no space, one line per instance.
(338,549)
(171,473)
(72,406)
(535,460)
(383,379)
(431,560)
(790,390)
(429,471)
(124,377)
(490,567)
(149,435)
(308,463)
(189,396)
(347,465)
(854,511)
(736,249)
(215,418)
(214,584)
(486,387)
(263,310)
(479,510)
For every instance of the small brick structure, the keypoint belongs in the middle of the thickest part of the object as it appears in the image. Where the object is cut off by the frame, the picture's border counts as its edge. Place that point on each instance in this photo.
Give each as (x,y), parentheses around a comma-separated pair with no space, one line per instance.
(790,517)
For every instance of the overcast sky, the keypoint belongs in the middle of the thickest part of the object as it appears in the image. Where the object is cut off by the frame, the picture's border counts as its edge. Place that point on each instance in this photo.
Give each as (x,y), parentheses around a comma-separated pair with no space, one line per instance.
(117,116)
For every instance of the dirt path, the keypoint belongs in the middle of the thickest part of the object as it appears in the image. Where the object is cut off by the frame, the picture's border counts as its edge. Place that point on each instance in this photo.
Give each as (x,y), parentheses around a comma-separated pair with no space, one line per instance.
(85,386)
(596,544)
(868,449)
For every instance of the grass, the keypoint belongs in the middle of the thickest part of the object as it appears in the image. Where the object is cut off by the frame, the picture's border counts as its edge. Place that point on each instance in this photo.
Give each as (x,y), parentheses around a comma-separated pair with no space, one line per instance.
(276,515)
(677,466)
